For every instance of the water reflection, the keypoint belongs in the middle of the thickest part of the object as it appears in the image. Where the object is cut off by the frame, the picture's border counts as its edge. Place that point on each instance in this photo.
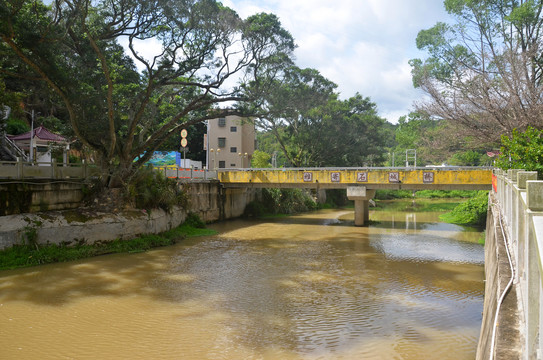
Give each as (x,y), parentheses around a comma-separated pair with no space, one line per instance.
(304,287)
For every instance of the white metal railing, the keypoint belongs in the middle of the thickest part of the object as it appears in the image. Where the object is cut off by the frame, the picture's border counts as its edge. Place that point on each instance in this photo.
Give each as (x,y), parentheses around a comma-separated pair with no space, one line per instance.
(520,197)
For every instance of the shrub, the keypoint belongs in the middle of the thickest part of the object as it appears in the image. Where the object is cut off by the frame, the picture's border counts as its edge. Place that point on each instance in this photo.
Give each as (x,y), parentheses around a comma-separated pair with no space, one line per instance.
(286,201)
(523,150)
(194,221)
(150,189)
(471,212)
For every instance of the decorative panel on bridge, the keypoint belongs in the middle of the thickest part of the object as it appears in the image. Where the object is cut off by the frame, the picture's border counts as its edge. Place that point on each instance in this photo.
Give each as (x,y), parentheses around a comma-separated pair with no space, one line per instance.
(374,178)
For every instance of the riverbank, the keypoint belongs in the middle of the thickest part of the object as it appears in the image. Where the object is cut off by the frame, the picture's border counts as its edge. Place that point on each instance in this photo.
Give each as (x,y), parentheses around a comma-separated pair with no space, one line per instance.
(20,256)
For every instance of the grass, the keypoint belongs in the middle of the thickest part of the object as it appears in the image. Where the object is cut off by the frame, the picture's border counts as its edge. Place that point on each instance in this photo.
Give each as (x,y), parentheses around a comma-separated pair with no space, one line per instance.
(20,256)
(424,194)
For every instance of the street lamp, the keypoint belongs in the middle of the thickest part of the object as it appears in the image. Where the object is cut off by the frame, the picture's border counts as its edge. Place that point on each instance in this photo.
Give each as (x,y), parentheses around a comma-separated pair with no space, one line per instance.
(242,157)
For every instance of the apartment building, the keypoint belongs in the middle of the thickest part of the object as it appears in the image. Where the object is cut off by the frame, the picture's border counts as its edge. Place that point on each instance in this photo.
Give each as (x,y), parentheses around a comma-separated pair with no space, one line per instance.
(231,142)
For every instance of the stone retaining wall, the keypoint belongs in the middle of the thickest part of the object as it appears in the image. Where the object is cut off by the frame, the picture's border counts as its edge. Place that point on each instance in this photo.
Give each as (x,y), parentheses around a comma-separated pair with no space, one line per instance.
(209,200)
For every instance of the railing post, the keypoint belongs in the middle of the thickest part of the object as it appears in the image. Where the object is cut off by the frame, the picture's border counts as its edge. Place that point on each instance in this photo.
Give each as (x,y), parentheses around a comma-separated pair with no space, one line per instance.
(54,171)
(19,167)
(534,195)
(85,169)
(524,176)
(533,301)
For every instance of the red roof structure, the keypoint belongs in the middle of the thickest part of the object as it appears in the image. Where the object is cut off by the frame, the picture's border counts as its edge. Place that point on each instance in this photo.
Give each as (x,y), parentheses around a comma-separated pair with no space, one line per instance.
(40,133)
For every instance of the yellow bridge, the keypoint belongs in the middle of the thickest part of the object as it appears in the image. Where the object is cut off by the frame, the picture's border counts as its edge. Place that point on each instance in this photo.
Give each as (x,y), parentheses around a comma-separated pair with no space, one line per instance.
(361,183)
(465,178)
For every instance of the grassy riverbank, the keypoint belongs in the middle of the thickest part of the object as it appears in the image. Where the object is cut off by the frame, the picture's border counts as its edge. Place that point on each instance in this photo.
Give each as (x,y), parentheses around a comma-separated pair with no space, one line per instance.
(31,255)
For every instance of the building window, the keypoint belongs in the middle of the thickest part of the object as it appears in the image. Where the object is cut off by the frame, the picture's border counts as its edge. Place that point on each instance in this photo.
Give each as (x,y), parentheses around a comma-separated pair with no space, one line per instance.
(233,129)
(222,164)
(222,122)
(232,165)
(233,149)
(222,142)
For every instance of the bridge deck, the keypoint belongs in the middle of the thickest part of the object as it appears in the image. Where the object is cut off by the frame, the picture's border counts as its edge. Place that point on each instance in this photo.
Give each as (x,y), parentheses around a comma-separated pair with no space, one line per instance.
(372,178)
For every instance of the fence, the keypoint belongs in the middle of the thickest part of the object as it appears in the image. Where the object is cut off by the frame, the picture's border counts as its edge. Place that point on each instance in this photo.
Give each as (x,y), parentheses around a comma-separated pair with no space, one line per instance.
(520,197)
(23,170)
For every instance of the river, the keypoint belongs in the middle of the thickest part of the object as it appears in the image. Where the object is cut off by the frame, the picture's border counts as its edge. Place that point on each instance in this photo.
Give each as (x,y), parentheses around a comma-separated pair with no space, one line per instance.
(310,286)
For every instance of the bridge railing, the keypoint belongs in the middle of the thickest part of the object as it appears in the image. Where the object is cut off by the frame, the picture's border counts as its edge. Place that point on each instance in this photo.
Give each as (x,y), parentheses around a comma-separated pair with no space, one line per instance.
(187,174)
(24,170)
(521,202)
(21,170)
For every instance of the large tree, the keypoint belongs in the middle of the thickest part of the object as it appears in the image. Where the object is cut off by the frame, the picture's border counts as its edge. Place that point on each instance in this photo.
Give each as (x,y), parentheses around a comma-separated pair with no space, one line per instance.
(120,98)
(484,72)
(284,109)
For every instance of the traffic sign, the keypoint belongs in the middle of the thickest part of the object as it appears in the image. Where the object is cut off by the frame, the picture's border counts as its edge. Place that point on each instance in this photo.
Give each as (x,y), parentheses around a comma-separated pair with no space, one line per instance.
(184,133)
(184,142)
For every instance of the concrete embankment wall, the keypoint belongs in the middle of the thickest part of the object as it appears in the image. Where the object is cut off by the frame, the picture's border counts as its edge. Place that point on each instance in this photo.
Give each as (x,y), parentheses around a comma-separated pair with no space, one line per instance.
(28,197)
(207,199)
(497,276)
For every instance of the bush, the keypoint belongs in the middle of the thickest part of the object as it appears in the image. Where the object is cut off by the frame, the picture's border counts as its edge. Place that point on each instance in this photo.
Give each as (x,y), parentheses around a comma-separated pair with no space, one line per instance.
(393,194)
(16,126)
(284,201)
(442,194)
(523,150)
(423,194)
(471,212)
(150,189)
(194,221)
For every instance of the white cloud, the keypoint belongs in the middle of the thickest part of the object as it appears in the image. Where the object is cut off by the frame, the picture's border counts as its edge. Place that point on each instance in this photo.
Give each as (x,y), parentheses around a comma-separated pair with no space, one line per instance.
(363,46)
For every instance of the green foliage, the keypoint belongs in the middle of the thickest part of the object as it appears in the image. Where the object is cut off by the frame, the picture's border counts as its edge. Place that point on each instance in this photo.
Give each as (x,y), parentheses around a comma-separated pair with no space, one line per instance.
(419,205)
(193,220)
(30,232)
(441,194)
(471,212)
(489,52)
(70,55)
(392,194)
(151,189)
(424,194)
(260,160)
(466,158)
(16,126)
(282,201)
(417,131)
(522,150)
(26,255)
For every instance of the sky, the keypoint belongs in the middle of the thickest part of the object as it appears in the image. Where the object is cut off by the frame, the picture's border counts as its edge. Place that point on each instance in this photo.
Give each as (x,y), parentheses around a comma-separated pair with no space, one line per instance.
(362,45)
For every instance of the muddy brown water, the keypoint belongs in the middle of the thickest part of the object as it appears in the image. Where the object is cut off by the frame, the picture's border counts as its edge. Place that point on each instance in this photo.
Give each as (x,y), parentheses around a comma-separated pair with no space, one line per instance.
(311,286)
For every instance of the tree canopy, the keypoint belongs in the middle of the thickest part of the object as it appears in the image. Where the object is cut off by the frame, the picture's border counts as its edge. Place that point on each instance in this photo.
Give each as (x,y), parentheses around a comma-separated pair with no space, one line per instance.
(484,72)
(120,99)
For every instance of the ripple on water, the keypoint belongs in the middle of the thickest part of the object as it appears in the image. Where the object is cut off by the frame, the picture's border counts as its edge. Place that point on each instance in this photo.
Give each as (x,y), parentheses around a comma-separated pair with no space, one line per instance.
(293,289)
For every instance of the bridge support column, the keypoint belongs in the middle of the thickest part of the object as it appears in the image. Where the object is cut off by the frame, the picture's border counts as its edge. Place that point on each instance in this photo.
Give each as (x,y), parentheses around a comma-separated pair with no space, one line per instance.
(361,197)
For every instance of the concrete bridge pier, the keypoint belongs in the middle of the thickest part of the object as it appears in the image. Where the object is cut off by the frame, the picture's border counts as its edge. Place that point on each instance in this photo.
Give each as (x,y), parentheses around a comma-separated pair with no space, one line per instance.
(361,196)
